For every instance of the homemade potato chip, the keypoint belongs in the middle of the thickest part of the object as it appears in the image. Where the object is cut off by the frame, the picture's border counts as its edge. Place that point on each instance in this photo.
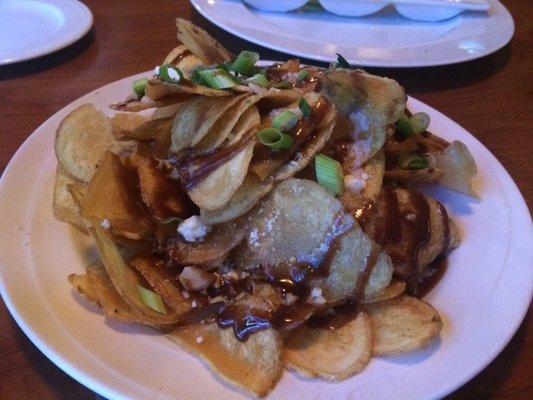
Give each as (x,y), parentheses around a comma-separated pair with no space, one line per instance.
(182,58)
(200,43)
(395,289)
(332,354)
(65,205)
(81,139)
(254,365)
(402,324)
(123,123)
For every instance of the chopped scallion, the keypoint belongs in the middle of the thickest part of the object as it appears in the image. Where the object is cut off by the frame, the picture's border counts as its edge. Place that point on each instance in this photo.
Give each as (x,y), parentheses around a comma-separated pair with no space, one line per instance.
(217,78)
(170,73)
(170,220)
(413,161)
(404,126)
(244,64)
(139,85)
(342,62)
(329,174)
(259,79)
(151,299)
(303,75)
(283,85)
(274,138)
(285,121)
(419,122)
(305,108)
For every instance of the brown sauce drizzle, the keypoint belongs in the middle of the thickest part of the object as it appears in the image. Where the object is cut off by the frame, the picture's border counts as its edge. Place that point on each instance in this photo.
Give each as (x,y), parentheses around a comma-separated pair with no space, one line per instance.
(335,318)
(193,169)
(181,56)
(420,287)
(245,320)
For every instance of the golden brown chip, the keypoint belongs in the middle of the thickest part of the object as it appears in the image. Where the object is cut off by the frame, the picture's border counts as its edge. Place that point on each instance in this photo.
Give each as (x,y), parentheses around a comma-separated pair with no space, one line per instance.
(195,118)
(112,195)
(166,111)
(124,123)
(166,93)
(395,289)
(201,44)
(216,189)
(65,204)
(81,139)
(426,175)
(332,354)
(402,324)
(254,365)
(248,120)
(182,58)
(151,129)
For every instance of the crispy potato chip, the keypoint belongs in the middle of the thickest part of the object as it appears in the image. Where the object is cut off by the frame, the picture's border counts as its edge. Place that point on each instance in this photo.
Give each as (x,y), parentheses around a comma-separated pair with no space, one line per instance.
(96,287)
(161,283)
(254,365)
(182,58)
(151,129)
(123,123)
(395,289)
(285,234)
(247,121)
(161,91)
(402,324)
(332,354)
(368,105)
(81,139)
(145,103)
(216,246)
(112,195)
(125,279)
(215,190)
(65,205)
(195,118)
(166,111)
(414,176)
(201,44)
(459,168)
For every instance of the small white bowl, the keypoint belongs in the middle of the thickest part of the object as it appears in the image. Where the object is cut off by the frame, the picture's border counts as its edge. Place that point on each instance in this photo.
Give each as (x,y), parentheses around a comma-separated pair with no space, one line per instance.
(276,5)
(352,8)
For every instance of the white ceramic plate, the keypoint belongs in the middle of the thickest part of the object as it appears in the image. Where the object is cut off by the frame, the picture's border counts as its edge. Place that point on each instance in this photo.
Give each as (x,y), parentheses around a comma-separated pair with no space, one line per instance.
(482,297)
(385,39)
(33,28)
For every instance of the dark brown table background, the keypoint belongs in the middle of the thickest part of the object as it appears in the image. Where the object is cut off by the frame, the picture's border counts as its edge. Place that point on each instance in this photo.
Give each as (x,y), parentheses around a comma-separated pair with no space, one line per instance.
(491,97)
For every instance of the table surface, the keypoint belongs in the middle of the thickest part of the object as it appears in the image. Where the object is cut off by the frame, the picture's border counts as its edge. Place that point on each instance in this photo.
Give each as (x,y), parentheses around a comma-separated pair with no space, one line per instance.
(490,97)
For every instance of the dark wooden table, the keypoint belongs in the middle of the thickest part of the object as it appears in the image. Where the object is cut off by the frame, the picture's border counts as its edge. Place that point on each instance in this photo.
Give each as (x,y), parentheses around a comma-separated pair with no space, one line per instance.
(491,97)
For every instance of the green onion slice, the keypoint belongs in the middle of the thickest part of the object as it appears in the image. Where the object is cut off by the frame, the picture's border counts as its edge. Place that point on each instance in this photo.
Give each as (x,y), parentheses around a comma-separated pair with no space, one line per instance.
(404,126)
(244,64)
(285,121)
(329,174)
(342,62)
(274,138)
(217,78)
(170,73)
(303,75)
(419,122)
(305,108)
(259,79)
(151,299)
(283,85)
(413,161)
(139,85)
(171,220)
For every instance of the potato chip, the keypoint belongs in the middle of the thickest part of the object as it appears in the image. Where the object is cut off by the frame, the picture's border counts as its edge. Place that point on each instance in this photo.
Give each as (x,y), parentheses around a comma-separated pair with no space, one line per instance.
(217,188)
(247,121)
(332,354)
(182,58)
(396,288)
(415,176)
(459,168)
(160,91)
(195,118)
(368,105)
(402,324)
(166,111)
(201,44)
(81,139)
(254,365)
(124,123)
(65,205)
(112,195)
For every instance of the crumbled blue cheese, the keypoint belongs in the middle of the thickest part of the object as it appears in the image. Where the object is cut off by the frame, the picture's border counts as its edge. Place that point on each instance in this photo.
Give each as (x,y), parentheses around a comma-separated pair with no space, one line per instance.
(105,224)
(354,184)
(316,297)
(173,74)
(156,70)
(199,339)
(193,230)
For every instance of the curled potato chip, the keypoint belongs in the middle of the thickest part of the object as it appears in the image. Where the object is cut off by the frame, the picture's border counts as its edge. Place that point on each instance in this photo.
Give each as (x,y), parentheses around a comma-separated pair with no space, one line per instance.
(123,123)
(160,91)
(195,118)
(166,111)
(248,120)
(145,103)
(66,206)
(96,287)
(368,105)
(215,190)
(396,288)
(254,365)
(402,324)
(152,129)
(81,139)
(200,43)
(182,58)
(332,354)
(459,168)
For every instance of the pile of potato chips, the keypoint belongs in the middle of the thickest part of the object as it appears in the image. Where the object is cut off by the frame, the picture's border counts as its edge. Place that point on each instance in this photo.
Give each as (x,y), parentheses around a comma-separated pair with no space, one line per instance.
(140,186)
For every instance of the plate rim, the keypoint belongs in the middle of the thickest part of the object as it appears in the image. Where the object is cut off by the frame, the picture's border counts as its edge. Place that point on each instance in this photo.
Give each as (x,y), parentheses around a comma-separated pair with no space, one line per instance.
(78,33)
(359,62)
(82,373)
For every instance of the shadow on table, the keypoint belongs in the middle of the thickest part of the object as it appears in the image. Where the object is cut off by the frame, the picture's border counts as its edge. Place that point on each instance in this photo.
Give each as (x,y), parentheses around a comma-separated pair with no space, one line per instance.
(42,63)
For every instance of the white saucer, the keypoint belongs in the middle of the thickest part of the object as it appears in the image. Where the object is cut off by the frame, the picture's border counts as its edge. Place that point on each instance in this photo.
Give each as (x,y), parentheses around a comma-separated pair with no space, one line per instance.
(31,29)
(385,39)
